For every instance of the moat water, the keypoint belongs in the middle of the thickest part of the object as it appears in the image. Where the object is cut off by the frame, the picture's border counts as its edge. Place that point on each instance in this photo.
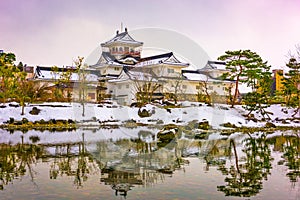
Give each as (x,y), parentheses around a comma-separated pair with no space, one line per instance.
(134,164)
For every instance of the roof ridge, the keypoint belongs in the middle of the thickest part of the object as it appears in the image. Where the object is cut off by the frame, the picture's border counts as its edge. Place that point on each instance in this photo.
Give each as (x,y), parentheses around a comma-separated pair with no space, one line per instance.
(169,54)
(120,36)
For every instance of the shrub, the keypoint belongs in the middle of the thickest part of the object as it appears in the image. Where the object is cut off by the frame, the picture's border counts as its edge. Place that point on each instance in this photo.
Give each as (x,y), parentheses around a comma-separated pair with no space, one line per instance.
(270,125)
(143,113)
(228,125)
(25,121)
(204,125)
(11,120)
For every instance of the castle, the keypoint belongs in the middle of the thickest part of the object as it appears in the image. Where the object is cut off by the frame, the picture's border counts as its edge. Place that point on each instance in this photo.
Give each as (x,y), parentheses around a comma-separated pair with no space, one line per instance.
(122,75)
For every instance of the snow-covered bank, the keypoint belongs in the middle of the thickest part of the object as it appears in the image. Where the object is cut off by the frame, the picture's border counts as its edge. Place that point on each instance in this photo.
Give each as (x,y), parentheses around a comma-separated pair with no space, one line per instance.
(115,114)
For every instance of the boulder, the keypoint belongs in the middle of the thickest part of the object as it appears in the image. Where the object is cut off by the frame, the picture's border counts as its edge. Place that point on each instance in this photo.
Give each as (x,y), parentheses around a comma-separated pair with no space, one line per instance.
(144,113)
(35,111)
(228,125)
(270,125)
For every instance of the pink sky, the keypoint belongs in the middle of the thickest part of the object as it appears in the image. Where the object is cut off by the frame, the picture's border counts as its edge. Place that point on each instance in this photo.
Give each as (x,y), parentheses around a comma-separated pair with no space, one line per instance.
(55,32)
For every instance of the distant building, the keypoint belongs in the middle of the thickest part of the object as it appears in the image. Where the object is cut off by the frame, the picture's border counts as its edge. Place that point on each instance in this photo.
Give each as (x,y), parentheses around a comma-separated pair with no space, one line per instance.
(48,76)
(29,72)
(277,85)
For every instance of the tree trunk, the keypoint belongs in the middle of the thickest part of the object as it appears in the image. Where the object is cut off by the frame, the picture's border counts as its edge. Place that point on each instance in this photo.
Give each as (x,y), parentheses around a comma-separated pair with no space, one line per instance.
(83,109)
(236,157)
(23,107)
(236,91)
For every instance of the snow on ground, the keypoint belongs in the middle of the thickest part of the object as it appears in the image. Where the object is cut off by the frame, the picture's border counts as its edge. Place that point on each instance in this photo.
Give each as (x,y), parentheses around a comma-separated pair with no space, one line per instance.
(115,114)
(216,115)
(79,135)
(92,135)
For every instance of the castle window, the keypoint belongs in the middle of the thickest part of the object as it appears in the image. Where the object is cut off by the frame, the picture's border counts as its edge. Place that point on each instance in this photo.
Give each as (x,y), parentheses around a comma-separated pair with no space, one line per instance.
(170,70)
(126,49)
(127,86)
(92,95)
(184,86)
(120,49)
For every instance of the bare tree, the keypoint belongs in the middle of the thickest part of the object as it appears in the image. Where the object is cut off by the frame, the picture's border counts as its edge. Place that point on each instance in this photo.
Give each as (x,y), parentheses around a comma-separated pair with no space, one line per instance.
(82,81)
(203,88)
(176,87)
(145,89)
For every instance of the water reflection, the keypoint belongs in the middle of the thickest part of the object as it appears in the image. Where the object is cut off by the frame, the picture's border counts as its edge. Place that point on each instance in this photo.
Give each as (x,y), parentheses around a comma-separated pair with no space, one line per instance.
(73,160)
(16,160)
(144,159)
(289,146)
(245,176)
(138,161)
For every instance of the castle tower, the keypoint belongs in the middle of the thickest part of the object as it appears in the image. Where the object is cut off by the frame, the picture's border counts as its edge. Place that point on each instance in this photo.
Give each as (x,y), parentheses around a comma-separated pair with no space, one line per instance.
(123,45)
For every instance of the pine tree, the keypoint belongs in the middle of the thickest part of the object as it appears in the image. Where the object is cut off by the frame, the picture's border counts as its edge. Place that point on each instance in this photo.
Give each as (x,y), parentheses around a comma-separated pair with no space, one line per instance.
(65,82)
(292,82)
(244,67)
(248,67)
(258,99)
(55,76)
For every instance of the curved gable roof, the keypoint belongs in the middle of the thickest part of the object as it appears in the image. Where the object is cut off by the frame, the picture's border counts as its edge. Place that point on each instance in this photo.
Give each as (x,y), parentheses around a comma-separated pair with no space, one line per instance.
(167,58)
(124,38)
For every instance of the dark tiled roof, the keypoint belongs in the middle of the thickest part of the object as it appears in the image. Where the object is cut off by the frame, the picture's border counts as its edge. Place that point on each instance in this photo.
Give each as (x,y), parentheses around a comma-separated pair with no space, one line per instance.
(108,57)
(165,55)
(39,70)
(123,37)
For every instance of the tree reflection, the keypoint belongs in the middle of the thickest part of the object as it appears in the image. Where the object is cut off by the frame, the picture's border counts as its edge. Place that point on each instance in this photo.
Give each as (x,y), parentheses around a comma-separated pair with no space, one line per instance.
(290,147)
(213,153)
(123,164)
(244,177)
(16,160)
(72,159)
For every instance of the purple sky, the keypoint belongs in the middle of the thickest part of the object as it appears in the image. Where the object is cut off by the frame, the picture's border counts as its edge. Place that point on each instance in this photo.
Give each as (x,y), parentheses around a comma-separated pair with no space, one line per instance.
(55,32)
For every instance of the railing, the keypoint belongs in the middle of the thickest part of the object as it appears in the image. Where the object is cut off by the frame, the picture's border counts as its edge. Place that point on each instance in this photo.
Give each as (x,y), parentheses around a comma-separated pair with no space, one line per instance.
(136,53)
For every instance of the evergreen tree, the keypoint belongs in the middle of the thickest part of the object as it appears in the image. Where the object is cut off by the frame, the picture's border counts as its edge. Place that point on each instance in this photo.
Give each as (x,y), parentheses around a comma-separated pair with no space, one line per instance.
(248,67)
(65,82)
(258,99)
(244,66)
(7,79)
(55,76)
(292,83)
